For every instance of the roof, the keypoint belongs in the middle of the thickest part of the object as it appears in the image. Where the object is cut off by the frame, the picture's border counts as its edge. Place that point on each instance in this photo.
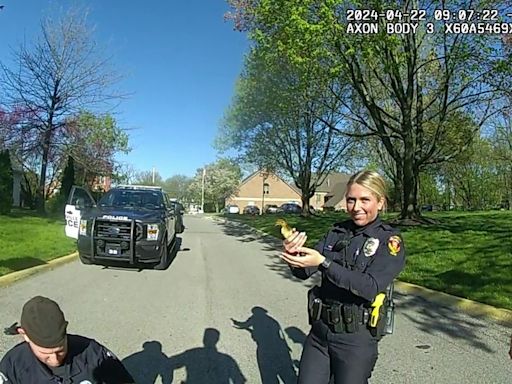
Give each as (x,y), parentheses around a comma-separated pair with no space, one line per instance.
(332,180)
(337,195)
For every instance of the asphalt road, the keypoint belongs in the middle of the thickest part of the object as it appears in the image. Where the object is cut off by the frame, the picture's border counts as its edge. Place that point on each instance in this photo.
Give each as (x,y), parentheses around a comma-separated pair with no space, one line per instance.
(169,324)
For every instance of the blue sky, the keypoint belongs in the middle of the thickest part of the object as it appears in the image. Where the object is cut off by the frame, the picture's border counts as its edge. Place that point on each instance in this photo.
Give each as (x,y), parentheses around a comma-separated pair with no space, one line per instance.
(180,60)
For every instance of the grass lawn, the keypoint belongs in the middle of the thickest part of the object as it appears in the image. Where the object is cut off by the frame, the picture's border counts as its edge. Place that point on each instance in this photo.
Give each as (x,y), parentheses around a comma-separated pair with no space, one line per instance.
(468,254)
(27,240)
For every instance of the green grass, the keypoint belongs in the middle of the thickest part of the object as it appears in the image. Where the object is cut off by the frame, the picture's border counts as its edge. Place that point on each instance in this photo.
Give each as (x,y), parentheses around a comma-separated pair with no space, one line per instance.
(27,240)
(468,254)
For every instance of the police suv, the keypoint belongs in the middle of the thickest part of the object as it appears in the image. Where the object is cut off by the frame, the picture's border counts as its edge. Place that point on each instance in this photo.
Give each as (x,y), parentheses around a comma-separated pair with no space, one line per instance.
(133,224)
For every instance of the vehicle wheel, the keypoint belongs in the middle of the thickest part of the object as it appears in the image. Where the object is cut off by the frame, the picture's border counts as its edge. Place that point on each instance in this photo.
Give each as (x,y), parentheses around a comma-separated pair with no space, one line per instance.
(180,229)
(164,261)
(84,260)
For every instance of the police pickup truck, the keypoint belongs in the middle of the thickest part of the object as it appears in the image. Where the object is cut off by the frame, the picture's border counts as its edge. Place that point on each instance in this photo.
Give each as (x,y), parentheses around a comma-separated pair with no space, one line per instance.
(134,224)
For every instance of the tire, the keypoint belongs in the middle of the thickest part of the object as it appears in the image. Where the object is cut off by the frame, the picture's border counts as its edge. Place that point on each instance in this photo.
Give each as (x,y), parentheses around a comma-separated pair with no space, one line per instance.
(164,261)
(84,260)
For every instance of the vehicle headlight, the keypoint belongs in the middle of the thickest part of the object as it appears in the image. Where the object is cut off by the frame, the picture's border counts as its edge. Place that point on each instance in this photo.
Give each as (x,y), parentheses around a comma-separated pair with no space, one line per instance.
(83,227)
(152,232)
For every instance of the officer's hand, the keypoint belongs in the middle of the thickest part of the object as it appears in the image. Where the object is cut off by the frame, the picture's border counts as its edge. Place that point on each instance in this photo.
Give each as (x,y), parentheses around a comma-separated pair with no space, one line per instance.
(306,257)
(296,240)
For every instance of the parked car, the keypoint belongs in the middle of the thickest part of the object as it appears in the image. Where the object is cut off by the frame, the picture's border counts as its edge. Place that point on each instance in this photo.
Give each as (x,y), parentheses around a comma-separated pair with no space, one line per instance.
(272,208)
(179,210)
(251,210)
(133,224)
(231,208)
(291,208)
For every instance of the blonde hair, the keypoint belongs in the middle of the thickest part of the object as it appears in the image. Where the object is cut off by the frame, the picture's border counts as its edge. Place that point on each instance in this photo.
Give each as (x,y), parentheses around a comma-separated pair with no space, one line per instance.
(372,181)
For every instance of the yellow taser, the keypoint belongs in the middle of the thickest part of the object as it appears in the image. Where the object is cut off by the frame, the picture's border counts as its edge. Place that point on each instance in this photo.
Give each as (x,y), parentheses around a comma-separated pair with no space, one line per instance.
(376,304)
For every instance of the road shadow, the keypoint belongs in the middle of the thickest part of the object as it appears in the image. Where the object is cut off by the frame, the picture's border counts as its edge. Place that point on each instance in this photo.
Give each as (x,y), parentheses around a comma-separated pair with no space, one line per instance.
(272,352)
(270,246)
(433,319)
(206,364)
(148,364)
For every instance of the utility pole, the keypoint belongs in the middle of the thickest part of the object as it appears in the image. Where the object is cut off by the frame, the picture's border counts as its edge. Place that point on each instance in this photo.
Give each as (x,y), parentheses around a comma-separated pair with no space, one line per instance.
(202,189)
(153,175)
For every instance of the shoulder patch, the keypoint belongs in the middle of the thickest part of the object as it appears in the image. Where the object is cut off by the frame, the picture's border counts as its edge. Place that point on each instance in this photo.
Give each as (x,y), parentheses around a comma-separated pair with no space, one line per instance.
(394,245)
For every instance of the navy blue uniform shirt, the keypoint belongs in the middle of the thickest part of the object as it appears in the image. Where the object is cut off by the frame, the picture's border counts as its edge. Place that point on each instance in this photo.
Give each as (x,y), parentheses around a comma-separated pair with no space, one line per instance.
(365,260)
(87,362)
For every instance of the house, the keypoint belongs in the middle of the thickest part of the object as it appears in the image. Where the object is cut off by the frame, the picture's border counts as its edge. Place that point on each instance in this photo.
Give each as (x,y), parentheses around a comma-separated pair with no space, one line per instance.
(330,195)
(262,188)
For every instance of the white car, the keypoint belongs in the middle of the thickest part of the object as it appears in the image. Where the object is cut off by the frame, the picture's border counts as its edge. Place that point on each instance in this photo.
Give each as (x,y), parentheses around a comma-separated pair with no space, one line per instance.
(231,208)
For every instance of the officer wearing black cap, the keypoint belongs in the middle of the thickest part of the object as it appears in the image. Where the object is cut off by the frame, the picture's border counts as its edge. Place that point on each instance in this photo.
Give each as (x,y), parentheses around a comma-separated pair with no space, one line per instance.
(50,355)
(349,312)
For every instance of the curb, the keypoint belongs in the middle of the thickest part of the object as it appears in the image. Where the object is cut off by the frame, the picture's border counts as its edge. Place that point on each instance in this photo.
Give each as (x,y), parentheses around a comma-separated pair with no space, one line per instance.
(18,275)
(472,308)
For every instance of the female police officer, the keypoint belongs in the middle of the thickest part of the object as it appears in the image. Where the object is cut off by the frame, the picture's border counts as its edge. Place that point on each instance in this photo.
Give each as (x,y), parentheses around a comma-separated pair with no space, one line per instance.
(358,259)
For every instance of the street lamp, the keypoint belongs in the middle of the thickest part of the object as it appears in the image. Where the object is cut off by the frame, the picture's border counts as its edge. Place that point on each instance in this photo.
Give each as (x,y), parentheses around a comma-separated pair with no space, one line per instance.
(264,175)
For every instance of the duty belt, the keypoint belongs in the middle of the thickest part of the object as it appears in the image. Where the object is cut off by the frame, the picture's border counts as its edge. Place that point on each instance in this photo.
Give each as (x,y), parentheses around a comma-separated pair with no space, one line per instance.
(341,318)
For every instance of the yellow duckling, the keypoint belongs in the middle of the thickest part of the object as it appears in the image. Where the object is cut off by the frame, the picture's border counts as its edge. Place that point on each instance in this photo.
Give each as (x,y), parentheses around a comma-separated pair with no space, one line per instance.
(286,230)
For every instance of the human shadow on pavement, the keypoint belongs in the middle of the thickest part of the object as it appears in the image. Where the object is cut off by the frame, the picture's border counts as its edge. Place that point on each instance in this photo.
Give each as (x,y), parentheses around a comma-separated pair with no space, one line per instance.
(297,336)
(147,365)
(432,318)
(206,364)
(272,351)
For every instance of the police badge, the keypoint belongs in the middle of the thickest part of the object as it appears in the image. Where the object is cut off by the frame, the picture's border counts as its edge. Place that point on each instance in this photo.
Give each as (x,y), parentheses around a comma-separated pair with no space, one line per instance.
(370,246)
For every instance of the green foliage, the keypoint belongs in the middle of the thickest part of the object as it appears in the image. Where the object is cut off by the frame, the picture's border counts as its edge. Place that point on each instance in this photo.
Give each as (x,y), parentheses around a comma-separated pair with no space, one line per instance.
(94,140)
(220,180)
(27,240)
(177,187)
(6,182)
(424,96)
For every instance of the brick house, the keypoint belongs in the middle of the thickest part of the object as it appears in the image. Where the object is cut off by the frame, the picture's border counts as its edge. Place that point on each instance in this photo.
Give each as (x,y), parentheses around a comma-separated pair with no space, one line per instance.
(261,188)
(330,195)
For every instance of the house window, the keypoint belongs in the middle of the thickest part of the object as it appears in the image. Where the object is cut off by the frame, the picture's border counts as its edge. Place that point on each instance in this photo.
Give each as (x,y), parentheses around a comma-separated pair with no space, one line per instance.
(266,188)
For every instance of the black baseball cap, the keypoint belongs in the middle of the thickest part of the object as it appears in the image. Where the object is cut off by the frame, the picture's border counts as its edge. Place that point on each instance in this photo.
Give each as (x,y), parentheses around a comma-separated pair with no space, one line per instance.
(43,322)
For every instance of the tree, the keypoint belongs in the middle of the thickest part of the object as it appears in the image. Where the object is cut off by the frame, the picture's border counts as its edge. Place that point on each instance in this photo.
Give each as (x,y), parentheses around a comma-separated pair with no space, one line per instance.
(6,182)
(149,178)
(281,119)
(473,177)
(177,187)
(53,80)
(68,178)
(92,141)
(502,155)
(221,180)
(415,92)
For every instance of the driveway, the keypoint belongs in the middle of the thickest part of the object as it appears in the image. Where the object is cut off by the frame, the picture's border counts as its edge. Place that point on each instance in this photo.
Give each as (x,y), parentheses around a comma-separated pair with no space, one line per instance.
(179,323)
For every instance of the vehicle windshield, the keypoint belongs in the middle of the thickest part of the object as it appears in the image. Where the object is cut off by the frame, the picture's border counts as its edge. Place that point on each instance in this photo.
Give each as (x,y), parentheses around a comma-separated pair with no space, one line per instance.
(132,199)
